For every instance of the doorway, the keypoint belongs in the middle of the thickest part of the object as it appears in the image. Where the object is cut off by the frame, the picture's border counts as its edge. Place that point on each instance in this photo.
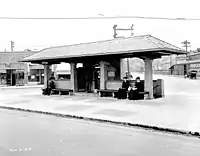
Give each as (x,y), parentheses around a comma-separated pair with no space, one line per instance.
(81,82)
(10,77)
(185,69)
(88,79)
(13,79)
(97,78)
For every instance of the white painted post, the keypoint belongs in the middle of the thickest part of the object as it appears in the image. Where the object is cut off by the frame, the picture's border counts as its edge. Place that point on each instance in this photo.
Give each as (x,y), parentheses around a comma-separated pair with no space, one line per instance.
(148,85)
(46,75)
(103,75)
(73,78)
(122,69)
(26,73)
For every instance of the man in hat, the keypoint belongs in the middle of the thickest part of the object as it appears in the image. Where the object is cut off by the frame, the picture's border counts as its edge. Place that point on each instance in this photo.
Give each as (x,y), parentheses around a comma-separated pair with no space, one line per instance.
(122,92)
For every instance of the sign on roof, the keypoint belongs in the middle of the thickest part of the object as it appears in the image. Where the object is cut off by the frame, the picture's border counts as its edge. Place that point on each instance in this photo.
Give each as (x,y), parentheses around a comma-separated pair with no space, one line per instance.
(195,65)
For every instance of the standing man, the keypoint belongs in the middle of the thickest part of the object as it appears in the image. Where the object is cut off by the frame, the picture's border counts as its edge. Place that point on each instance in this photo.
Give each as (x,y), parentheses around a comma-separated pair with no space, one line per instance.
(51,84)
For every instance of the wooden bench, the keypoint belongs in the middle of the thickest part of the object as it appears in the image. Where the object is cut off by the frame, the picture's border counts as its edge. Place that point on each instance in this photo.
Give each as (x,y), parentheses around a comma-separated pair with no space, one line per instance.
(62,87)
(113,86)
(44,91)
(60,91)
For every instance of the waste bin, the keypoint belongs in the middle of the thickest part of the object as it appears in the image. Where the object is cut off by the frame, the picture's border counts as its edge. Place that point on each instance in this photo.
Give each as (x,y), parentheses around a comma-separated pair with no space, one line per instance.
(159,88)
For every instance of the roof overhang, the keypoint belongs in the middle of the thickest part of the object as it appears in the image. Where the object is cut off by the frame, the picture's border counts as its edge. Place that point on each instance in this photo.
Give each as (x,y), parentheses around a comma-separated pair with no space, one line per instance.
(136,46)
(156,53)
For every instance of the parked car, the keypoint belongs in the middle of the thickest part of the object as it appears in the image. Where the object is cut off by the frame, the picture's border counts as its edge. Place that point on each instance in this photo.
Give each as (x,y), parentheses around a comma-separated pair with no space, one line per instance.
(193,74)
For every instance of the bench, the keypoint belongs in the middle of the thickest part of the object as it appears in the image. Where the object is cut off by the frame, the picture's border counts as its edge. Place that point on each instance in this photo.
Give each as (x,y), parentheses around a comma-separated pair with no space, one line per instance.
(111,87)
(61,91)
(62,87)
(44,91)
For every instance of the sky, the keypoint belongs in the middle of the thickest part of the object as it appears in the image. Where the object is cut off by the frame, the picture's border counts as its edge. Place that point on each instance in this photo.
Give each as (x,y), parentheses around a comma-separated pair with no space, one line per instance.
(39,34)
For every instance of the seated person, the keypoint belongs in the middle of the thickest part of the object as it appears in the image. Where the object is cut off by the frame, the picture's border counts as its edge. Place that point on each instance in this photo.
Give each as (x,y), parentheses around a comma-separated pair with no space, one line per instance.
(134,92)
(122,92)
(52,77)
(51,84)
(129,76)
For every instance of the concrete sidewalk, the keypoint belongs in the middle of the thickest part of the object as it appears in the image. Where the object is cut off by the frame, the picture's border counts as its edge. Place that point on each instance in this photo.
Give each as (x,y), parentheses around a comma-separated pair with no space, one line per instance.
(179,109)
(173,111)
(21,87)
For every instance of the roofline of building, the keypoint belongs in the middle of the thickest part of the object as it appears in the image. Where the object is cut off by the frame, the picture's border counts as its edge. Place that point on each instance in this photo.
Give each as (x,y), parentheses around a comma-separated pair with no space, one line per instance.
(6,52)
(167,50)
(138,36)
(166,42)
(94,42)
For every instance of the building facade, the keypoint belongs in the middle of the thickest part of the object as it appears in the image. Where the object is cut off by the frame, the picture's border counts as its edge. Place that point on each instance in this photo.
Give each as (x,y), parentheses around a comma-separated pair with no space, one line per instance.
(186,63)
(13,72)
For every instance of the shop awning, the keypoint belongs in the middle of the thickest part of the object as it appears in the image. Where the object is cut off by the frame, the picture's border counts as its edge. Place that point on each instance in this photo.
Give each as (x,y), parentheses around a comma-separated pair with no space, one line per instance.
(3,71)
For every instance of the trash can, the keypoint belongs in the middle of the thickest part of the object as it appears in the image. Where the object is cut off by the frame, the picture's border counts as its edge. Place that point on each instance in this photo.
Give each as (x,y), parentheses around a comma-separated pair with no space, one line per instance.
(159,88)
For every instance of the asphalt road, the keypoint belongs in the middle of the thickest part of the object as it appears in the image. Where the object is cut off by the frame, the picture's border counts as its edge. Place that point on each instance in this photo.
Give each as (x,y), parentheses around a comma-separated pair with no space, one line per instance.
(30,134)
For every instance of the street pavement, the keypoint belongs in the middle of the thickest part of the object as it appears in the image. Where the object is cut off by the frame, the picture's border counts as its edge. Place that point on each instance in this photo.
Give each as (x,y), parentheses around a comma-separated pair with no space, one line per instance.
(31,134)
(179,109)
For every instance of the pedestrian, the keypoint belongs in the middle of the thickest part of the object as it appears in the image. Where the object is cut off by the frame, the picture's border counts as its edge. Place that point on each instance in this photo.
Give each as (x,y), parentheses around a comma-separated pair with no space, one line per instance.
(122,91)
(51,84)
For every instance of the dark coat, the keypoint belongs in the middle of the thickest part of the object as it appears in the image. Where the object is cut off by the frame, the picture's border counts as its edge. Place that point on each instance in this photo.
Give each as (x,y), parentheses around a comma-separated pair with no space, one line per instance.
(51,78)
(139,86)
(125,85)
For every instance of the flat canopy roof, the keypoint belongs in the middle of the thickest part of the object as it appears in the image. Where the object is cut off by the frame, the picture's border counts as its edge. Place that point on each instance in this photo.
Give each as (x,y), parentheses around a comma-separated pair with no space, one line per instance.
(123,47)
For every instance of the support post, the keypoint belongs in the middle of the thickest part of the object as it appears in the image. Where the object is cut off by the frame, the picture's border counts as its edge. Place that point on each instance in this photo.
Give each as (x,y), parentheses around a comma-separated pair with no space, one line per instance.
(46,75)
(93,81)
(103,75)
(40,76)
(73,76)
(26,71)
(148,85)
(122,69)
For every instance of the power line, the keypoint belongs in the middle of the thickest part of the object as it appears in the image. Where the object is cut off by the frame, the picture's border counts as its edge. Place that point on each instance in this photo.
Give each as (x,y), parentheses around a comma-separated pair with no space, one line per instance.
(97,17)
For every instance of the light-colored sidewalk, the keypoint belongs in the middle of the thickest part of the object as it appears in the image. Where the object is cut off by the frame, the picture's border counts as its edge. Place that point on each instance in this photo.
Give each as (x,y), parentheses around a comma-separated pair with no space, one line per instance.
(179,109)
(173,111)
(21,87)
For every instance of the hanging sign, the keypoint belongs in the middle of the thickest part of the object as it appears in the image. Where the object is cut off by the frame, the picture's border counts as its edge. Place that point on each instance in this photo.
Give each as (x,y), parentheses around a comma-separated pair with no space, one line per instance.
(44,63)
(111,73)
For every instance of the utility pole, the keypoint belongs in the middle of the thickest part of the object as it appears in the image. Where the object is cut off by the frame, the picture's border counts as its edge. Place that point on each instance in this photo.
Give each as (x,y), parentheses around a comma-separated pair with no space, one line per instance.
(115,36)
(12,45)
(186,44)
(10,62)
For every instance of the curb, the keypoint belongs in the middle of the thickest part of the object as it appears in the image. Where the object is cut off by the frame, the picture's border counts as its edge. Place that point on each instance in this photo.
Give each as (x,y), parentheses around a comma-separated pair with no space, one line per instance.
(126,124)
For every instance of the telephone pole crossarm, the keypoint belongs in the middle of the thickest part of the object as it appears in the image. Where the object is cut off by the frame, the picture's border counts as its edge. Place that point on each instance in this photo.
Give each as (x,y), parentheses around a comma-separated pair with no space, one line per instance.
(186,44)
(115,36)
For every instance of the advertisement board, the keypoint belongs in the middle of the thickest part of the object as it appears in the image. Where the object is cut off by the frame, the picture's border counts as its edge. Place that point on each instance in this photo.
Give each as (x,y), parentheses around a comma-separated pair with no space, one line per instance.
(111,73)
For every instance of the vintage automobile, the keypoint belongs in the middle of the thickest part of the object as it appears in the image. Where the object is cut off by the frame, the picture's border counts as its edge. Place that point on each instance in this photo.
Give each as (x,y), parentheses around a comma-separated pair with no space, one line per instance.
(192,74)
